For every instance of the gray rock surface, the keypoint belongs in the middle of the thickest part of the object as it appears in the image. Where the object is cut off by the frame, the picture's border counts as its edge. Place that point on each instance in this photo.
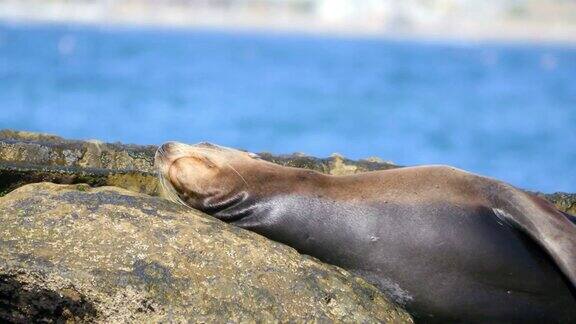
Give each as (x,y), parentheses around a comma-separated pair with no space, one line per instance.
(72,253)
(31,157)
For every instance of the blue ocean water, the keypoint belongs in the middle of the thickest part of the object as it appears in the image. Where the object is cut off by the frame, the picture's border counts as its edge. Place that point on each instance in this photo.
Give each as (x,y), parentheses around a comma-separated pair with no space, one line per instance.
(502,110)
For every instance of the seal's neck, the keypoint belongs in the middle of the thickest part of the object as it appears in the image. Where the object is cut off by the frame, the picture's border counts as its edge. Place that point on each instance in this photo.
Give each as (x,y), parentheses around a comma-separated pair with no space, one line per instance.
(268,182)
(281,180)
(229,208)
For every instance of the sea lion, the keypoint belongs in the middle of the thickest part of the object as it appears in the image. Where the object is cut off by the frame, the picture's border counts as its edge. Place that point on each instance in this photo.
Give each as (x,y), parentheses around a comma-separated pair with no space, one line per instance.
(447,245)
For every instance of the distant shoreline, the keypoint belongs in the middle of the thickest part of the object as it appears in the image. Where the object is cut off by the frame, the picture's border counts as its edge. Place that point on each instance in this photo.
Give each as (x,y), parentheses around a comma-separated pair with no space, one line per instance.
(505,31)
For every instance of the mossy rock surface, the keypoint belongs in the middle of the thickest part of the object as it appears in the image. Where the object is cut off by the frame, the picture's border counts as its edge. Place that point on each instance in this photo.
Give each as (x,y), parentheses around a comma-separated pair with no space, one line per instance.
(27,148)
(83,254)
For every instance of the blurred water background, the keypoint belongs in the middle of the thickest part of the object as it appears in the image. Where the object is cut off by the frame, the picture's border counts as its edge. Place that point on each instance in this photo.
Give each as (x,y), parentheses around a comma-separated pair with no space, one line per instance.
(503,109)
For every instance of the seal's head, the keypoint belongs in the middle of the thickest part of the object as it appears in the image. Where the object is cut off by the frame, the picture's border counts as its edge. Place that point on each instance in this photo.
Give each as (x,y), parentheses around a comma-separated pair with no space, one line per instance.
(203,174)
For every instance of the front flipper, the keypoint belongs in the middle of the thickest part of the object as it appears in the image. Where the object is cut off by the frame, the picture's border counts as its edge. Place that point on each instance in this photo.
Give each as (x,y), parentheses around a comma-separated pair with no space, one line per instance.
(552,229)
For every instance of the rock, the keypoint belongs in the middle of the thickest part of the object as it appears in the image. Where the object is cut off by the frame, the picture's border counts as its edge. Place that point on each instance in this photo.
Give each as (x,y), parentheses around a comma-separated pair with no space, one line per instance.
(30,157)
(72,253)
(27,136)
(49,150)
(336,164)
(13,176)
(564,201)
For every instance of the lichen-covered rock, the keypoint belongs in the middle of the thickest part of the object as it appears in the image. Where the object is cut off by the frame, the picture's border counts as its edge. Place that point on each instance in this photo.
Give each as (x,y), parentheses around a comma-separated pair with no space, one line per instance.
(336,164)
(13,176)
(74,253)
(50,150)
(564,201)
(28,136)
(31,157)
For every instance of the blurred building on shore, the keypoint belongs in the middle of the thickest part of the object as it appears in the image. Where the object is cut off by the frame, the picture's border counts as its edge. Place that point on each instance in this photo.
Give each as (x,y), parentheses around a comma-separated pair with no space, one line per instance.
(553,20)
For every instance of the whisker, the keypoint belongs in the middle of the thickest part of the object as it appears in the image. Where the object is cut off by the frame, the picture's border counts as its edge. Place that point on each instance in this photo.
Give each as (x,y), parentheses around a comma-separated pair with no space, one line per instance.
(161,150)
(169,192)
(238,173)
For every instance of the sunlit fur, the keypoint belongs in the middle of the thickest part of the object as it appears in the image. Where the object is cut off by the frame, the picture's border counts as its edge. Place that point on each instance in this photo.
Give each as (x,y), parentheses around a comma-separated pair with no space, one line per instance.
(163,162)
(167,190)
(397,228)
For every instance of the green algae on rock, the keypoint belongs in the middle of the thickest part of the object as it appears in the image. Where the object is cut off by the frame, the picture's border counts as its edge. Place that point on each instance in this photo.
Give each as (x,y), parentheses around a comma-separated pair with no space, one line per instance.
(74,253)
(563,201)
